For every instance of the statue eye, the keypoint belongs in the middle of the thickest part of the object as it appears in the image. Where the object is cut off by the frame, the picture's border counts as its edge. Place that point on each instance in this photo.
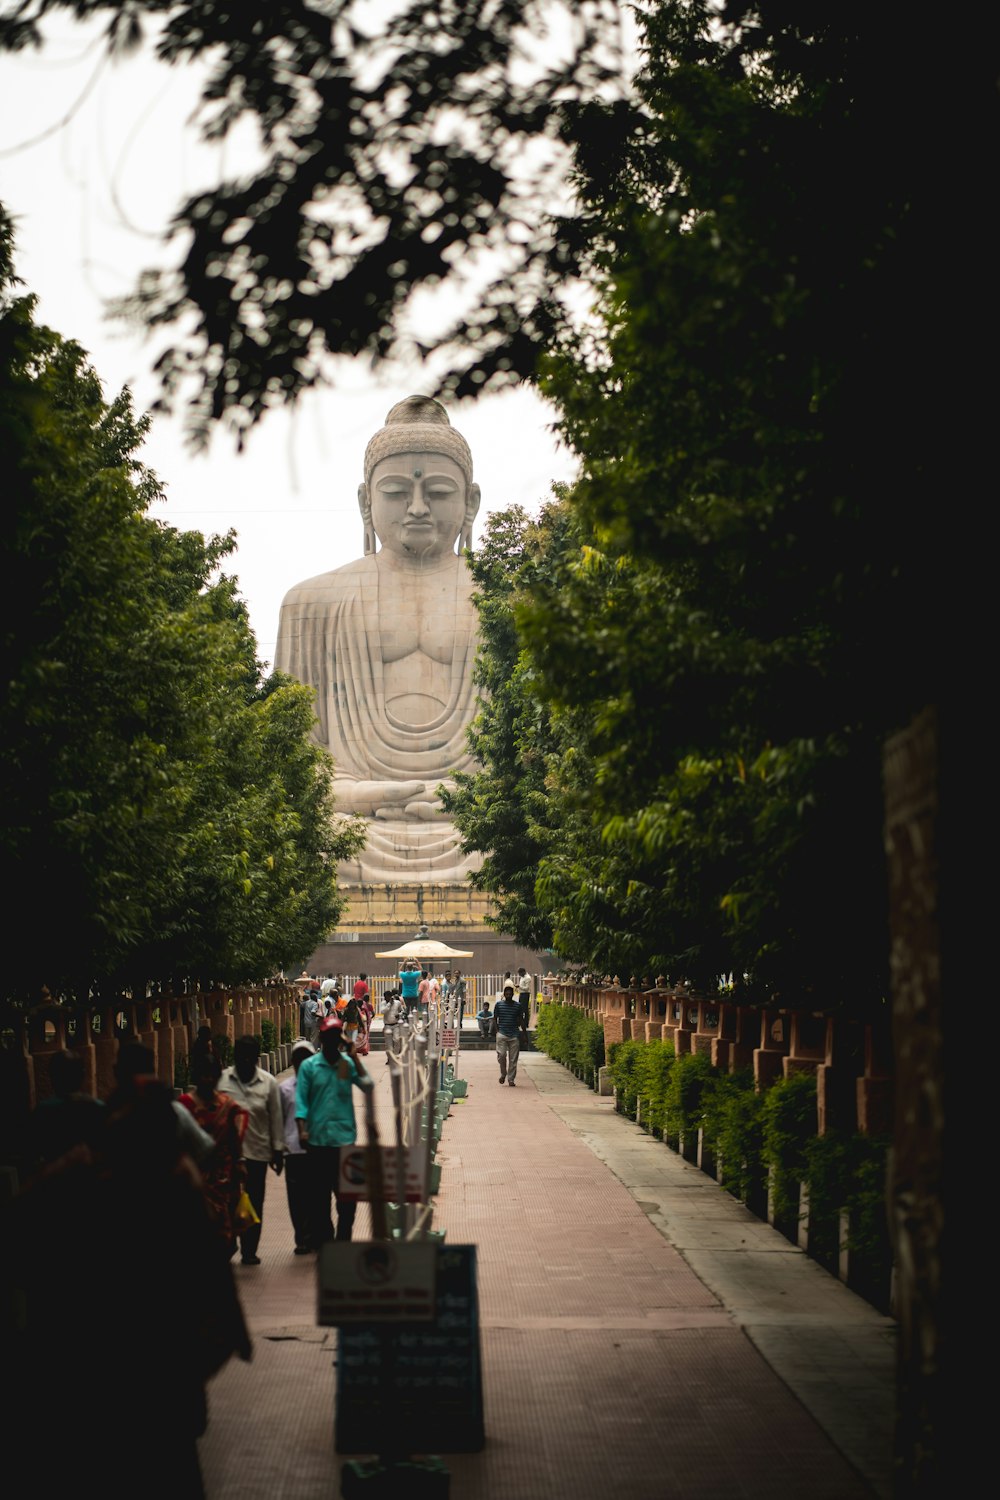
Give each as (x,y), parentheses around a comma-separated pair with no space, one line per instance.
(393,487)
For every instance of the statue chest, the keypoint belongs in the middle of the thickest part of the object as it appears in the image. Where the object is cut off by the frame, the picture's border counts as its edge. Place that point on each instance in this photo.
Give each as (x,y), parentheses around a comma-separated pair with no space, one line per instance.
(419,656)
(416,687)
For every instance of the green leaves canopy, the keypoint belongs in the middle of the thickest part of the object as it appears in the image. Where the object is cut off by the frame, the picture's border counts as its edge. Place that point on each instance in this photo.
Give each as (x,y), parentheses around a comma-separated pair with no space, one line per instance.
(743,618)
(165,810)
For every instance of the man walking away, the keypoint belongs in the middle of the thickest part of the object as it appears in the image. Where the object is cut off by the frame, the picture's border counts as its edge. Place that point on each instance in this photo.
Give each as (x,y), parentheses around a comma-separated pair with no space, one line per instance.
(508,1025)
(324,1113)
(392,1015)
(264,1142)
(458,991)
(296,1161)
(311,1015)
(524,996)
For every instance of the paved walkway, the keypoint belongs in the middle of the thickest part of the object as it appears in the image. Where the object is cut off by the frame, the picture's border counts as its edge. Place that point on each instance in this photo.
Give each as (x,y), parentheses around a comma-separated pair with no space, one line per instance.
(643,1335)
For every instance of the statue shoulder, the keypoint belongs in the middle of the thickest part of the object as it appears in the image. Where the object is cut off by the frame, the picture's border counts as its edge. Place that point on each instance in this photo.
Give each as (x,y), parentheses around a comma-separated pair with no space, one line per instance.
(328,588)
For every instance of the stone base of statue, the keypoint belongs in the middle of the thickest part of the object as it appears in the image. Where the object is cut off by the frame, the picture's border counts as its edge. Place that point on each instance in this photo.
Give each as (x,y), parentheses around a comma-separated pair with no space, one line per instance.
(408,852)
(397,906)
(379,918)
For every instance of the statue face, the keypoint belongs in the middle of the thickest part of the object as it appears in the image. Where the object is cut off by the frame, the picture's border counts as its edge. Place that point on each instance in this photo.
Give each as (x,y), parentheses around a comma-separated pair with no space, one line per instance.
(418,503)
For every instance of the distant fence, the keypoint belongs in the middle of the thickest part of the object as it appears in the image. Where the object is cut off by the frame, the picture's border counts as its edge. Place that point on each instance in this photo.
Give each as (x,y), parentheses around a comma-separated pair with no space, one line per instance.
(163,1021)
(478,987)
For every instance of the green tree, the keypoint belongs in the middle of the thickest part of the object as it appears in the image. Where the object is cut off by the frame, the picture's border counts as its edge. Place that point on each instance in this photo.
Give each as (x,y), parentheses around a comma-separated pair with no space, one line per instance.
(395,153)
(505,810)
(754,617)
(165,810)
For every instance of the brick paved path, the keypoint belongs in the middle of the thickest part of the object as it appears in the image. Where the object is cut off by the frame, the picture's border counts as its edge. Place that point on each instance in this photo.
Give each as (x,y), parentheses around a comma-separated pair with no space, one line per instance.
(609,1368)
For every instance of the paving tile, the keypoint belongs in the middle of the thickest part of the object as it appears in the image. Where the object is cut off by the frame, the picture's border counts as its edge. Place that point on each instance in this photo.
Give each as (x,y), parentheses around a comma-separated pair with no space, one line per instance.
(641,1333)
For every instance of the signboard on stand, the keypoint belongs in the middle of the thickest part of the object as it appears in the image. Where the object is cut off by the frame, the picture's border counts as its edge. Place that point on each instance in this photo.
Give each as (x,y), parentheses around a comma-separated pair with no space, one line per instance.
(426,1376)
(356,1174)
(449,1038)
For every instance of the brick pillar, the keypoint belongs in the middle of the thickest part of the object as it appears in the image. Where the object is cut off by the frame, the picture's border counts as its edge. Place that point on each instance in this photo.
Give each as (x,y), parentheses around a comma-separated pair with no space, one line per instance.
(686,1011)
(837,1075)
(46,1037)
(707,1028)
(875,1089)
(106,1048)
(769,1056)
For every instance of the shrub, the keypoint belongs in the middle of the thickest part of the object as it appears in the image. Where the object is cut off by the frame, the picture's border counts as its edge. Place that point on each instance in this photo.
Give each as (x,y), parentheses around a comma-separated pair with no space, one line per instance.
(625,1062)
(223,1049)
(566,1035)
(691,1075)
(789,1119)
(847,1175)
(588,1046)
(287,1033)
(733,1119)
(268,1035)
(653,1074)
(554,1031)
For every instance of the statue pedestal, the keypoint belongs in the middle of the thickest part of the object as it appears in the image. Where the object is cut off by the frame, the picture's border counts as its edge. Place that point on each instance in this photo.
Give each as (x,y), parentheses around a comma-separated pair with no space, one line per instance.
(379,918)
(385,908)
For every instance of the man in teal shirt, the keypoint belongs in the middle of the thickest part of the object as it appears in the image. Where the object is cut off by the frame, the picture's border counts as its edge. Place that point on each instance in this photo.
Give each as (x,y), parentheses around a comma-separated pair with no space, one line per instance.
(409,980)
(324,1113)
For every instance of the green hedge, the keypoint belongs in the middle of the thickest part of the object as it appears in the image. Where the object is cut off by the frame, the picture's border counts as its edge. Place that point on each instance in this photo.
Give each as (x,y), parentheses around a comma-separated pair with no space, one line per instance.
(625,1060)
(750,1135)
(789,1119)
(568,1036)
(691,1081)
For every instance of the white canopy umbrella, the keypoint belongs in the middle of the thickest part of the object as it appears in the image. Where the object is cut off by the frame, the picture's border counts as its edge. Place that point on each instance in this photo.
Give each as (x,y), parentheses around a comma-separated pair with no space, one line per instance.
(426,948)
(423,946)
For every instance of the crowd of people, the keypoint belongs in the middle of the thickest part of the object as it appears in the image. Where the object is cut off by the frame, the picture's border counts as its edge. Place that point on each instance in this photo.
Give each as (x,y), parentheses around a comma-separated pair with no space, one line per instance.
(142,1201)
(115,1273)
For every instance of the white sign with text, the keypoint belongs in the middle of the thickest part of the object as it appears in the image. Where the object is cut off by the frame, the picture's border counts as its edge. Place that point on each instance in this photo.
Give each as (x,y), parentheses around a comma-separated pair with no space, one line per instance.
(357,1171)
(376,1281)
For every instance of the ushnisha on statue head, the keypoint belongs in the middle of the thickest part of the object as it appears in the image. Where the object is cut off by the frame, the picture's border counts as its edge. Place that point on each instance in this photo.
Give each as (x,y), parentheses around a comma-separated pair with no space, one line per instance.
(418,497)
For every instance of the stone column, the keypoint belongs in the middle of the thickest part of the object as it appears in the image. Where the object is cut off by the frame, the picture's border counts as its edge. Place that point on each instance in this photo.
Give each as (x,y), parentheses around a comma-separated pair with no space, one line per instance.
(837,1075)
(706,1028)
(769,1056)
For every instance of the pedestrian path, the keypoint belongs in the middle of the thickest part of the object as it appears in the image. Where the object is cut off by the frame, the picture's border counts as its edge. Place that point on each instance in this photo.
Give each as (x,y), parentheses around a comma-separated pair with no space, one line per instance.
(643,1335)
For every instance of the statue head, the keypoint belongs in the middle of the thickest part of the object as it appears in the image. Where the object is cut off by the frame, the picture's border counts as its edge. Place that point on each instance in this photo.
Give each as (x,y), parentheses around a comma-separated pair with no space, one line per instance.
(418,497)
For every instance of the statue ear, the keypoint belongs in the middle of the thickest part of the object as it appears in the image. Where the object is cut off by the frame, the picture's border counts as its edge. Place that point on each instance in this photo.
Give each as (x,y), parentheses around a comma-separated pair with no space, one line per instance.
(471,512)
(365,507)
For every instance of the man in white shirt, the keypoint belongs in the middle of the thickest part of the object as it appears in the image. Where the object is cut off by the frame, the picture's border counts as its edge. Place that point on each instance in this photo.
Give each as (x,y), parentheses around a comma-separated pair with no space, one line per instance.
(524,996)
(392,1014)
(264,1142)
(297,1183)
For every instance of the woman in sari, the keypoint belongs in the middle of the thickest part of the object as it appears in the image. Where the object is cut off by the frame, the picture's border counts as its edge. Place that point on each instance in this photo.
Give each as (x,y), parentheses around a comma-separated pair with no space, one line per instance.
(223,1175)
(365,1011)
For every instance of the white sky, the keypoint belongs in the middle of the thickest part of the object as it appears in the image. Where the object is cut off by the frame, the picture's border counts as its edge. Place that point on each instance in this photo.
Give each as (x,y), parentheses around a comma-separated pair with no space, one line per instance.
(90,199)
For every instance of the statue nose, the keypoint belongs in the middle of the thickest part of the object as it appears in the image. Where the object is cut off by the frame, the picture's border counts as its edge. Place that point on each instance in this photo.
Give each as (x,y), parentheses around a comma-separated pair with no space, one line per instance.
(418,505)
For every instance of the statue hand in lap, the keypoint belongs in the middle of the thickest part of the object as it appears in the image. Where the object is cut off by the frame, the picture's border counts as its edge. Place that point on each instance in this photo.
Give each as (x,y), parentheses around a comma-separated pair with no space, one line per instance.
(380,799)
(423,809)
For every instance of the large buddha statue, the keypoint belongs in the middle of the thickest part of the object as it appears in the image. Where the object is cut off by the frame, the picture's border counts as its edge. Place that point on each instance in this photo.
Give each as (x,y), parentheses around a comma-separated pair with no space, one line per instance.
(388,643)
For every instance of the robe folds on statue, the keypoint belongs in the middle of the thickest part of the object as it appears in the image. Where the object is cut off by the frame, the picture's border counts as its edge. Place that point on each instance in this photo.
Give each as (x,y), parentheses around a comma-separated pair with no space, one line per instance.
(331,635)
